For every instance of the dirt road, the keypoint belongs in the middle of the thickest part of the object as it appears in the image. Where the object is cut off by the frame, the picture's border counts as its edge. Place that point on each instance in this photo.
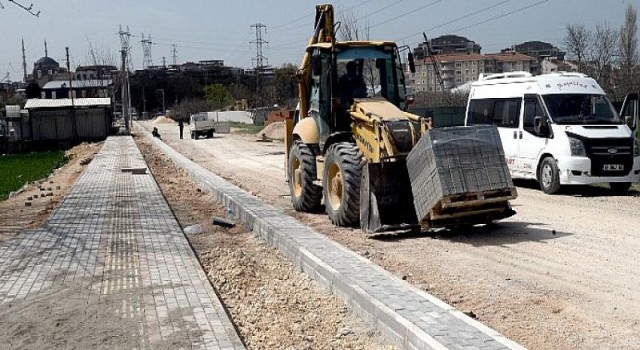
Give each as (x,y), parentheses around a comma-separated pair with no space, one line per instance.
(560,274)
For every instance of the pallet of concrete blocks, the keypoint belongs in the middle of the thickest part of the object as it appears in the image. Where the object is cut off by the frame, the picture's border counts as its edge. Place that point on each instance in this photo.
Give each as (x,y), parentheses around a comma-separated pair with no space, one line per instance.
(455,162)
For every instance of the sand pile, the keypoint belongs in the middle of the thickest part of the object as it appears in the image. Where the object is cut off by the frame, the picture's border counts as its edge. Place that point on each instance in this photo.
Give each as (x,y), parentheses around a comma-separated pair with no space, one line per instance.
(273,131)
(163,120)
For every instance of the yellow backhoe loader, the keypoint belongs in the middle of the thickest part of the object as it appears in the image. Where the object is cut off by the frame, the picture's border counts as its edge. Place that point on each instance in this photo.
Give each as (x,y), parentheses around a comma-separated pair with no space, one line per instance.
(351,136)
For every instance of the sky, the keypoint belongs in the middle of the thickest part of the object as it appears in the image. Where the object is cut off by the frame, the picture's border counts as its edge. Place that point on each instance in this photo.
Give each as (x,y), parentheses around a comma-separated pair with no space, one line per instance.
(214,29)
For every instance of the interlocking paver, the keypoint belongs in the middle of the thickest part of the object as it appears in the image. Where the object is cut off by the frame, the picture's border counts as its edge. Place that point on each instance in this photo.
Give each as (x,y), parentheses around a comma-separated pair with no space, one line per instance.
(114,241)
(408,316)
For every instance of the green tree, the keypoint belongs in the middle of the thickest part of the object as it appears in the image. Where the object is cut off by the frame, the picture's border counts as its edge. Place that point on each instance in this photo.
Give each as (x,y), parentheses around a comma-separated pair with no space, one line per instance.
(285,85)
(218,95)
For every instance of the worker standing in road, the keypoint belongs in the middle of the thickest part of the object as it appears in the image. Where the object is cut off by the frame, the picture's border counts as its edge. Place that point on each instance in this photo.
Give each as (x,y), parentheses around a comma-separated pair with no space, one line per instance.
(181,126)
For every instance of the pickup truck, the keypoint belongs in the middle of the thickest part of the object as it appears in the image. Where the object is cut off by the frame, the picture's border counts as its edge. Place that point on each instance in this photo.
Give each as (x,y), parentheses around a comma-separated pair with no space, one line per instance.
(200,125)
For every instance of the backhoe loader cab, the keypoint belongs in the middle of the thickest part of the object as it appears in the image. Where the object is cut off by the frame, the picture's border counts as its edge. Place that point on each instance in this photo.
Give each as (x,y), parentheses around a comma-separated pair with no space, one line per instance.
(346,71)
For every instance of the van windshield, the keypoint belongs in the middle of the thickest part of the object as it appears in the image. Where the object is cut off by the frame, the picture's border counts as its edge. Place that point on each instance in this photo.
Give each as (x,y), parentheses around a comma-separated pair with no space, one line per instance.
(581,109)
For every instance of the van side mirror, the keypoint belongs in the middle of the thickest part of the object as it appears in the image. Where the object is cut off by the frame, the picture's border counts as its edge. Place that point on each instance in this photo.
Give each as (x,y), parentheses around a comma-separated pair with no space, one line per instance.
(540,126)
(630,121)
(630,110)
(412,63)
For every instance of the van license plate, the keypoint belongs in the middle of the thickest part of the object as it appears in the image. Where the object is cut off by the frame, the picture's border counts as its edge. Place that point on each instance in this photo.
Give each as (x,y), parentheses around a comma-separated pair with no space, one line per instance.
(613,167)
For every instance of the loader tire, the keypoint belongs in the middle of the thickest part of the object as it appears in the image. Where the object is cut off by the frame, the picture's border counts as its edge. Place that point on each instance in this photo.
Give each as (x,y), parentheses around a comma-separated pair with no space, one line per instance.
(305,195)
(341,183)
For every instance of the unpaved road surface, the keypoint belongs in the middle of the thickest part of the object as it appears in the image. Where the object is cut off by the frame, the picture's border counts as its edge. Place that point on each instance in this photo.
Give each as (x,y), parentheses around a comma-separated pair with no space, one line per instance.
(561,274)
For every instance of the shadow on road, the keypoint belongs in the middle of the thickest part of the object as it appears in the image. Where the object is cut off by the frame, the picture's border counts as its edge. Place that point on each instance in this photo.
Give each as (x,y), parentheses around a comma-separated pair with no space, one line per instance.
(578,190)
(497,234)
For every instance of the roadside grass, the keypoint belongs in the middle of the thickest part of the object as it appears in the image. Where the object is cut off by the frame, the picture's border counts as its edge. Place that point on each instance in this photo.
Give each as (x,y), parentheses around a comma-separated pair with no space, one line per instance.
(241,128)
(18,169)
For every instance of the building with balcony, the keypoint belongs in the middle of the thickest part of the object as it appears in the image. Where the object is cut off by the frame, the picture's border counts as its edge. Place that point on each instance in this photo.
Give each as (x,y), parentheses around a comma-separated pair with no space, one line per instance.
(512,62)
(458,69)
(454,70)
(537,49)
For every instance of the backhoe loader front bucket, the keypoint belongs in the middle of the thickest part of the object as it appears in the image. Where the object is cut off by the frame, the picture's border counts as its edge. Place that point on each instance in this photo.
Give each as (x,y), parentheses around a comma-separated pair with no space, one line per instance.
(386,199)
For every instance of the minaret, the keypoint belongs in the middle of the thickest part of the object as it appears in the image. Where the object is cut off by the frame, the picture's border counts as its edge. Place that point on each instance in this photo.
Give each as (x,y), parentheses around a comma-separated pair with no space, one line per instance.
(24,63)
(46,52)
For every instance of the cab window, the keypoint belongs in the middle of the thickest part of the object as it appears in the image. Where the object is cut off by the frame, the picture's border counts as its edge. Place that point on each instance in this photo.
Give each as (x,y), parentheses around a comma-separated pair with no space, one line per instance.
(532,109)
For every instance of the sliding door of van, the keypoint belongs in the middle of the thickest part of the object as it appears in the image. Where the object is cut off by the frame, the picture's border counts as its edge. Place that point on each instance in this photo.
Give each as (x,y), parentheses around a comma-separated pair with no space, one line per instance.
(532,143)
(505,114)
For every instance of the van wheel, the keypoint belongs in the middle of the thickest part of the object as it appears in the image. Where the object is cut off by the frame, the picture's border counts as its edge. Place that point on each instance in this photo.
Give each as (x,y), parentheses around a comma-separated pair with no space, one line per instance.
(549,176)
(619,187)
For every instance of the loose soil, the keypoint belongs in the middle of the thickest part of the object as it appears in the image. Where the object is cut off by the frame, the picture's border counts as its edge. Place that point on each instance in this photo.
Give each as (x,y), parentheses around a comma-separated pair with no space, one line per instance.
(561,274)
(274,305)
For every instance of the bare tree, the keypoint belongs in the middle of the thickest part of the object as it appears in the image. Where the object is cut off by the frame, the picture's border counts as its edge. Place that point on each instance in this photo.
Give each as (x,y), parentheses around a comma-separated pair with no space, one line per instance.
(29,8)
(602,53)
(629,52)
(578,40)
(100,56)
(351,29)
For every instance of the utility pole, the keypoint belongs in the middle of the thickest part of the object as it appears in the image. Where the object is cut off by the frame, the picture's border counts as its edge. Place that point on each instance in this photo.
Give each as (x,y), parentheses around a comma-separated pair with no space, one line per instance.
(146,49)
(144,103)
(24,63)
(73,106)
(162,90)
(164,62)
(436,68)
(259,60)
(124,74)
(174,54)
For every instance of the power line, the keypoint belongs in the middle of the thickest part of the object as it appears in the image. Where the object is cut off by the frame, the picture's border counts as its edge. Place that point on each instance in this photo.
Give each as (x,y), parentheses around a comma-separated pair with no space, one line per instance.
(407,13)
(280,27)
(310,17)
(503,15)
(382,9)
(456,19)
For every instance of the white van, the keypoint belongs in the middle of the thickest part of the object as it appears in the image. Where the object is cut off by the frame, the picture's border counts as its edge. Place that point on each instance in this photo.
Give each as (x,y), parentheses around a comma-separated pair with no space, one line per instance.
(558,128)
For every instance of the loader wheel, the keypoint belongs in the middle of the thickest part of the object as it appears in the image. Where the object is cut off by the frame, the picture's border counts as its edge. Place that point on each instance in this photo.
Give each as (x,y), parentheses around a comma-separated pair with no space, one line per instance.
(305,195)
(341,183)
(549,176)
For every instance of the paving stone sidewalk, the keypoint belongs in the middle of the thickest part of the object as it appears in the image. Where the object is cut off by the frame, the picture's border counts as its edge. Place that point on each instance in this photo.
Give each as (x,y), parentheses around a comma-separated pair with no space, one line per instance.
(406,315)
(111,262)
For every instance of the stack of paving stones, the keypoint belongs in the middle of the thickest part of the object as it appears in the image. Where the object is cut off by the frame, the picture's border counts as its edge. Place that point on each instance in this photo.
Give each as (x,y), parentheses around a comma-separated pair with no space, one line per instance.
(114,248)
(407,316)
(456,160)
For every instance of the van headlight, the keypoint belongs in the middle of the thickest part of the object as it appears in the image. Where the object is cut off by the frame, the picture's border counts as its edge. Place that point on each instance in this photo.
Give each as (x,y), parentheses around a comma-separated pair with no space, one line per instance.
(577,147)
